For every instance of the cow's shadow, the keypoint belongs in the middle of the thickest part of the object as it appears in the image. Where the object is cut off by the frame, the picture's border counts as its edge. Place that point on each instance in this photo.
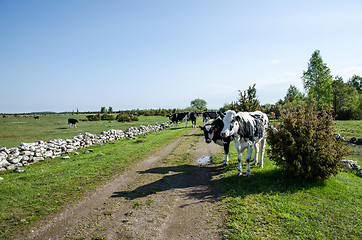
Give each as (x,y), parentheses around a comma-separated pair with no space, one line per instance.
(197,178)
(207,185)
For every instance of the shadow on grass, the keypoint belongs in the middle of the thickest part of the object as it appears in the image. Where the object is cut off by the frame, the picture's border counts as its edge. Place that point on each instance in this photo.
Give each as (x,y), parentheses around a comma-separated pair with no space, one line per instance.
(198,134)
(271,181)
(198,178)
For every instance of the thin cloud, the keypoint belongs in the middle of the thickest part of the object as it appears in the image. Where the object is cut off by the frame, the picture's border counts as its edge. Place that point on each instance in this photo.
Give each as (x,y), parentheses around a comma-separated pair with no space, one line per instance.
(347,73)
(275,61)
(285,78)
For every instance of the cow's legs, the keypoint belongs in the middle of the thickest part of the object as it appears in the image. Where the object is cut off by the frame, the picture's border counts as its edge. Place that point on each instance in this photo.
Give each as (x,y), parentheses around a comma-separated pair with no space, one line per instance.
(262,150)
(240,157)
(226,151)
(226,159)
(256,153)
(247,159)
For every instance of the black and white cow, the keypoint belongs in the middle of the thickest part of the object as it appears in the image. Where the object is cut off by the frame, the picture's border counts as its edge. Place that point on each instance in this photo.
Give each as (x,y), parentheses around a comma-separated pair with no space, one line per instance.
(178,117)
(72,122)
(247,130)
(212,134)
(193,117)
(208,116)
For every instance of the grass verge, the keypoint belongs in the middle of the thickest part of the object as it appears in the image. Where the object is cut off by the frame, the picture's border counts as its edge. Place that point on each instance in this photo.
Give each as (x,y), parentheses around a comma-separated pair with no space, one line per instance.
(268,205)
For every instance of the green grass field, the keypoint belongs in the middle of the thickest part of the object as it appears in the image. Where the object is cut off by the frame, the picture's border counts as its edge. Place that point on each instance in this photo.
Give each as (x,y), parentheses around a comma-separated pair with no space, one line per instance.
(266,205)
(349,128)
(24,128)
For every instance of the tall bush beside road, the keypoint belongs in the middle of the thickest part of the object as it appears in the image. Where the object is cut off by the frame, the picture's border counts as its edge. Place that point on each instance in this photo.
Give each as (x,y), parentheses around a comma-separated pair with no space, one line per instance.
(304,144)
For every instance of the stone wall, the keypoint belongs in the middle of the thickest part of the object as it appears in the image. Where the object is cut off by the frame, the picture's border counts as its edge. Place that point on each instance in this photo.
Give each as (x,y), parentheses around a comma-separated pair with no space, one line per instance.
(28,153)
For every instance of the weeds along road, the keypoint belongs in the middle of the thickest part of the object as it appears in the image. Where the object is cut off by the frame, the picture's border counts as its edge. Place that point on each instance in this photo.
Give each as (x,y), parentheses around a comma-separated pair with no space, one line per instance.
(166,196)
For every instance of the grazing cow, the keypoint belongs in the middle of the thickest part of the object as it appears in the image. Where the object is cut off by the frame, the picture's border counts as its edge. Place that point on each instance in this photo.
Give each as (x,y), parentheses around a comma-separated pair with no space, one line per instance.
(36,117)
(72,122)
(247,130)
(193,117)
(212,133)
(178,117)
(209,115)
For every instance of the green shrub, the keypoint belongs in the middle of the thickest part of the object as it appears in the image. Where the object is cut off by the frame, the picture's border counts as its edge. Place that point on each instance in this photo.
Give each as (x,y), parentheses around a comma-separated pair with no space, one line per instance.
(122,117)
(96,117)
(107,116)
(304,144)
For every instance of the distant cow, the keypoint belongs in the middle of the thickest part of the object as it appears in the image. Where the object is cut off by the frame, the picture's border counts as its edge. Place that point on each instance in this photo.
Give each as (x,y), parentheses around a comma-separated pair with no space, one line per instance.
(178,117)
(72,122)
(212,133)
(36,117)
(208,116)
(193,117)
(247,130)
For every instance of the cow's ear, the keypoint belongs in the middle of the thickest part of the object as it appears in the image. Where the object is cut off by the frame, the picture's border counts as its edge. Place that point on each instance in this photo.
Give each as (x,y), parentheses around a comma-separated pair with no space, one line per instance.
(202,128)
(222,115)
(238,118)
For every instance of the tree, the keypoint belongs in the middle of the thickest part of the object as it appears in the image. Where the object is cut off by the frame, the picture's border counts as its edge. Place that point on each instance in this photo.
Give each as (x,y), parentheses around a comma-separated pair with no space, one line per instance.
(198,103)
(248,101)
(318,80)
(345,100)
(110,109)
(103,110)
(356,81)
(293,94)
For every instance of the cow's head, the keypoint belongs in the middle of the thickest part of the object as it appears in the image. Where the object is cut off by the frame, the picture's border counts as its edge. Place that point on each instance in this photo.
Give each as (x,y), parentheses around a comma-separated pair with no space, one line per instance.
(208,132)
(172,117)
(231,124)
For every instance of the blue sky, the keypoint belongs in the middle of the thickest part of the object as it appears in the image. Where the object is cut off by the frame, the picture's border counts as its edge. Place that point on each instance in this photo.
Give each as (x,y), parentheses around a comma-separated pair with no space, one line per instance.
(84,54)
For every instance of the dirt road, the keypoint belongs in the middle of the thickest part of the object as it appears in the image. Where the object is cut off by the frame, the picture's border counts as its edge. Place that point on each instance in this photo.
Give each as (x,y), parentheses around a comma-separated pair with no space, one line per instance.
(166,196)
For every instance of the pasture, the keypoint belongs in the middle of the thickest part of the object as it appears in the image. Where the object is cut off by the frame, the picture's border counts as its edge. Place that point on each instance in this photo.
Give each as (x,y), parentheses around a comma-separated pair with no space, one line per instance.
(24,128)
(266,205)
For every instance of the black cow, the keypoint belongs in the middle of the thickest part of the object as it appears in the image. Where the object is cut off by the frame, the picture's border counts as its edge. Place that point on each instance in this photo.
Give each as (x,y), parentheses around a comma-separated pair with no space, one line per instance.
(36,117)
(212,133)
(178,117)
(209,115)
(193,117)
(72,122)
